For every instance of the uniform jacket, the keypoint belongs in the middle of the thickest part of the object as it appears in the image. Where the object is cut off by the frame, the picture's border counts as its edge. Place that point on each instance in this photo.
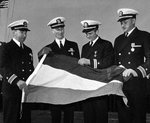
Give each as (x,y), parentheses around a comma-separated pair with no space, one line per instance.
(101,54)
(1,51)
(134,52)
(70,48)
(17,64)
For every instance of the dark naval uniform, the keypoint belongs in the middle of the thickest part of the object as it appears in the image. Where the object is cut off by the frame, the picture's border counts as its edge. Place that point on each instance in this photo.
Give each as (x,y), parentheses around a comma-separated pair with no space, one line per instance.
(101,55)
(134,52)
(17,64)
(70,49)
(1,52)
(1,78)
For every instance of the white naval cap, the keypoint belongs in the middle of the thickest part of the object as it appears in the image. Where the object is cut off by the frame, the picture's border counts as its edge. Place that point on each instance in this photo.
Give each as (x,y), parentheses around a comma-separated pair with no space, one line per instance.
(125,13)
(89,25)
(57,22)
(19,25)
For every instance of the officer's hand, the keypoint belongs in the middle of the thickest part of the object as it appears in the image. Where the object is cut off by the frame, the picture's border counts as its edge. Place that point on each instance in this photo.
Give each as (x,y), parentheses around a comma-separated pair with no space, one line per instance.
(129,72)
(84,61)
(21,84)
(45,50)
(121,66)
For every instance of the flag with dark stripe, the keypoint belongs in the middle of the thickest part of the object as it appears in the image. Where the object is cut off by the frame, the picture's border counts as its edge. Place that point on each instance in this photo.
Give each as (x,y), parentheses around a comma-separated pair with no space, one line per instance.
(61,80)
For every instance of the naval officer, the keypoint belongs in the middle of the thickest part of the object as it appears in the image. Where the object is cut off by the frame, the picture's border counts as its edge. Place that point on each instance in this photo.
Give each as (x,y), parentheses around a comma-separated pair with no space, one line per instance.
(60,45)
(97,53)
(17,64)
(132,51)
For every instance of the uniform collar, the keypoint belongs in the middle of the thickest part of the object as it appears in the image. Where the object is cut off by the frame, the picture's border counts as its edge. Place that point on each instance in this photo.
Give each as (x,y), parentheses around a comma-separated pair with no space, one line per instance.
(58,41)
(94,41)
(16,41)
(131,31)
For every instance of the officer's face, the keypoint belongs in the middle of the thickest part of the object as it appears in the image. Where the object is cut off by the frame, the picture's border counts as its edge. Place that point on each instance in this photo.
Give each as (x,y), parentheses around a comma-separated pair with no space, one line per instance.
(127,24)
(58,32)
(91,35)
(20,35)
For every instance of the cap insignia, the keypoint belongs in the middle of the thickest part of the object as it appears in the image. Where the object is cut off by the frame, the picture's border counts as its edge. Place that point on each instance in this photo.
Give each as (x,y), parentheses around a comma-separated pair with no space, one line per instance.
(85,24)
(120,13)
(58,20)
(25,24)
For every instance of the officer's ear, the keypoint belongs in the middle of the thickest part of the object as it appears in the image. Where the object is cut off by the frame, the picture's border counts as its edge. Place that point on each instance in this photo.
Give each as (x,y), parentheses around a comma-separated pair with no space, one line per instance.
(97,31)
(53,31)
(133,20)
(13,32)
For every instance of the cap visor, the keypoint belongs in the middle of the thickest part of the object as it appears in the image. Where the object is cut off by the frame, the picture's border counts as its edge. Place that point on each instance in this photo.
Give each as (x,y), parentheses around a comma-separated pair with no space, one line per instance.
(121,19)
(21,28)
(54,27)
(87,30)
(25,29)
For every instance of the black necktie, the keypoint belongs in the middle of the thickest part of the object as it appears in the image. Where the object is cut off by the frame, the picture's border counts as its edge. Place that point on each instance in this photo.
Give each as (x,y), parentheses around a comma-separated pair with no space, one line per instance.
(21,46)
(126,34)
(91,44)
(61,45)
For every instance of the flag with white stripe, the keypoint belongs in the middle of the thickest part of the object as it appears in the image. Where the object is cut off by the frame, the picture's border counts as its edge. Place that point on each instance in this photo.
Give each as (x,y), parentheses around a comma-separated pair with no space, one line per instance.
(61,80)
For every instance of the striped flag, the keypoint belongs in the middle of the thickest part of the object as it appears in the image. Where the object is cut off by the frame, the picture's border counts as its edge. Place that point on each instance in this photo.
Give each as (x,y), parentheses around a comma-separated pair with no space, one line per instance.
(61,80)
(4,4)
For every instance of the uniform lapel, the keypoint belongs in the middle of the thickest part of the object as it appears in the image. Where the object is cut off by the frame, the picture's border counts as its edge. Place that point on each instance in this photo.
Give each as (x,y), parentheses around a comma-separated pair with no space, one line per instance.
(65,44)
(91,49)
(88,50)
(55,45)
(124,42)
(14,45)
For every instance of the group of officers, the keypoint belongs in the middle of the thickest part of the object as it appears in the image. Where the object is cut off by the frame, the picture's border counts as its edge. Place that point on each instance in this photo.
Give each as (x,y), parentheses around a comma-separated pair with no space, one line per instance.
(131,51)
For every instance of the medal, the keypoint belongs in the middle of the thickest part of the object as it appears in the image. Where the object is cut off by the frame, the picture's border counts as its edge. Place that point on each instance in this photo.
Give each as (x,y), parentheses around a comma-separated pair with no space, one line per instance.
(132,49)
(95,54)
(133,46)
(71,50)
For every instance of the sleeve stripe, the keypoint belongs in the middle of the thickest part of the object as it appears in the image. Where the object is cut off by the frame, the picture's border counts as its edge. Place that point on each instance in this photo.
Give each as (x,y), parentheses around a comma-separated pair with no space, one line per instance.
(95,63)
(12,78)
(142,71)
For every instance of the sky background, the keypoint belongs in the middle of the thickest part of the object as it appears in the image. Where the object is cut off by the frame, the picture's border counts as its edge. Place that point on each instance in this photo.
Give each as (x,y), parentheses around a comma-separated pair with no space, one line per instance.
(40,12)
